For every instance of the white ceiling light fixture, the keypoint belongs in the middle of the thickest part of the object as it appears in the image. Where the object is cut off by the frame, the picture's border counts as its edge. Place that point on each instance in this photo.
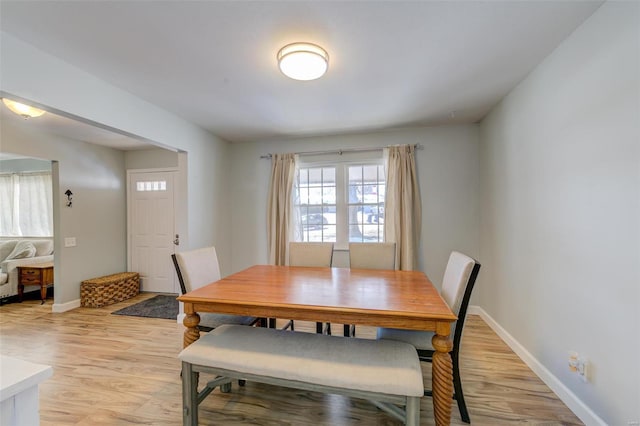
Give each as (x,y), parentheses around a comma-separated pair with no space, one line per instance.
(23,110)
(303,61)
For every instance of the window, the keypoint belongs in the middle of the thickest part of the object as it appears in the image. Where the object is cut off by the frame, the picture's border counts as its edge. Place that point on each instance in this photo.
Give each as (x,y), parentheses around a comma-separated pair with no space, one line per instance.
(340,203)
(26,201)
(156,185)
(366,203)
(316,204)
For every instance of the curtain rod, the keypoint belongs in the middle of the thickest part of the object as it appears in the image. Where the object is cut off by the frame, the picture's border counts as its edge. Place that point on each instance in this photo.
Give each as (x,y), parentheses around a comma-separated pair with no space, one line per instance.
(339,151)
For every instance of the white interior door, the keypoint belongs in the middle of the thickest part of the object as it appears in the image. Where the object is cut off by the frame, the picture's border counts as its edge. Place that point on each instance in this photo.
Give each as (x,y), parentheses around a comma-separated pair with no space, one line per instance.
(152,229)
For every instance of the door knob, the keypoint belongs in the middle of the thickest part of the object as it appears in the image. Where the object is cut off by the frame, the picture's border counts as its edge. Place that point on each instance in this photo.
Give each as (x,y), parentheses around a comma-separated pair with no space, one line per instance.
(177,240)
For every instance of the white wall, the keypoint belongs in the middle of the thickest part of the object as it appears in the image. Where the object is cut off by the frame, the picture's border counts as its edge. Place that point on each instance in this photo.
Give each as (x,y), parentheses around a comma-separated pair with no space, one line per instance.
(24,165)
(42,79)
(447,172)
(560,212)
(150,159)
(97,217)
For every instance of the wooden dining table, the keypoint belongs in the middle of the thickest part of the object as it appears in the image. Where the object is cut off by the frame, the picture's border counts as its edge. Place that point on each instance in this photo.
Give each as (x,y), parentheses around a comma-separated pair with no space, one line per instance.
(381,298)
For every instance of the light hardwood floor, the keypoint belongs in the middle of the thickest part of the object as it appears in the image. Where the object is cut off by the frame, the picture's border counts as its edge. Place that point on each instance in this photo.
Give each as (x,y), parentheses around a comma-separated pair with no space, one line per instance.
(118,370)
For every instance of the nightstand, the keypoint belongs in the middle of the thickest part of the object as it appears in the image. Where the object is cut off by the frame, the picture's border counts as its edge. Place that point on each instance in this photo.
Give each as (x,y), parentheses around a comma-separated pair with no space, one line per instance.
(36,274)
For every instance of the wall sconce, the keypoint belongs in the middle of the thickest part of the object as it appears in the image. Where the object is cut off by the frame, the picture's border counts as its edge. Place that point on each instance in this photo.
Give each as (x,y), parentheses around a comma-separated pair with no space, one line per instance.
(68,193)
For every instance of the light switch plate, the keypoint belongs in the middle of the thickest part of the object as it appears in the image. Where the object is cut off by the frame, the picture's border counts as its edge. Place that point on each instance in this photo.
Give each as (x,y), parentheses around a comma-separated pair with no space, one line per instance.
(70,242)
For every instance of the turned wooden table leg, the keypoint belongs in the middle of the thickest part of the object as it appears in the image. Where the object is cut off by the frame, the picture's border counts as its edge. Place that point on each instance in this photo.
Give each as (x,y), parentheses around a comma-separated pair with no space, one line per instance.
(442,379)
(191,334)
(43,292)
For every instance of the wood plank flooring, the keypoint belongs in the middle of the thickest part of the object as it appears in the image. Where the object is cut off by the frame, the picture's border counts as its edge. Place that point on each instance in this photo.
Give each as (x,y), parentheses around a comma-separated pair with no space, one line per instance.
(119,370)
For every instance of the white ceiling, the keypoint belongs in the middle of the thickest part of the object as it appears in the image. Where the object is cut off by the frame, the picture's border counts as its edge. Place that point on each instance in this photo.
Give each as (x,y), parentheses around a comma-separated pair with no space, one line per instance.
(392,63)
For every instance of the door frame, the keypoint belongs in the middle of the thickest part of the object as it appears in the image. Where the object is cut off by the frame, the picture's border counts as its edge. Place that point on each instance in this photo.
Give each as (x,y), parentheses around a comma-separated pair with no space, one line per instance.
(178,207)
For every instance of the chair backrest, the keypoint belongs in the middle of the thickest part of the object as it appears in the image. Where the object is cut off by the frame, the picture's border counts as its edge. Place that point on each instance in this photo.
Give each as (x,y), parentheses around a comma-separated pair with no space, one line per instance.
(196,268)
(310,254)
(457,284)
(372,255)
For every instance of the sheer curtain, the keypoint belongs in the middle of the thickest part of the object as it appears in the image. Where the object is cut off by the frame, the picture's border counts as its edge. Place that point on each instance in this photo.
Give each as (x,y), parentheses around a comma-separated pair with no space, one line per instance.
(9,225)
(279,211)
(403,207)
(36,207)
(27,204)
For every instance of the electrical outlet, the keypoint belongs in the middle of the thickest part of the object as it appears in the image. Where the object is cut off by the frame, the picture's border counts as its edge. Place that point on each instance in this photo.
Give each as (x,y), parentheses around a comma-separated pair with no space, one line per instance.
(583,369)
(579,364)
(573,361)
(70,242)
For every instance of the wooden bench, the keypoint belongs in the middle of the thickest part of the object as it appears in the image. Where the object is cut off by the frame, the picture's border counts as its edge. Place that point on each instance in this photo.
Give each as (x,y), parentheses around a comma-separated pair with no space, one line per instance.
(384,371)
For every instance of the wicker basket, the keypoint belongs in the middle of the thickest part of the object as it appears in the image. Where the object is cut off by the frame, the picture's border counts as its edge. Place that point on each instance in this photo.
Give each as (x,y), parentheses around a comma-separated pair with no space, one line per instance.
(102,291)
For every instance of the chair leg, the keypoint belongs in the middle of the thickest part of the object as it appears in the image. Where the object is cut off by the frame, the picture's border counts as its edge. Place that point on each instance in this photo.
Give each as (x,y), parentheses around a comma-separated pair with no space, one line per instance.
(327,329)
(319,328)
(288,326)
(457,391)
(349,330)
(458,395)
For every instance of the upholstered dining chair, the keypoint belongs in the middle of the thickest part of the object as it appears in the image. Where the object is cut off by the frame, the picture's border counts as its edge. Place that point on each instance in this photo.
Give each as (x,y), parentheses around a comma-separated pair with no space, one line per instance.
(370,256)
(311,254)
(196,268)
(457,284)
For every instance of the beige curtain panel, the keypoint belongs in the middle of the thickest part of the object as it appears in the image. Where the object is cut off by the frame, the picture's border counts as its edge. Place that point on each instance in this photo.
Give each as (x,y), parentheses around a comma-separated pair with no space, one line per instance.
(403,207)
(283,172)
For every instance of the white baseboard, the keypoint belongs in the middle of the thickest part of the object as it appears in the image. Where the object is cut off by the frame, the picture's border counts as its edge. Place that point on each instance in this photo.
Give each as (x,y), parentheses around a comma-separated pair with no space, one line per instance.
(64,307)
(575,404)
(181,313)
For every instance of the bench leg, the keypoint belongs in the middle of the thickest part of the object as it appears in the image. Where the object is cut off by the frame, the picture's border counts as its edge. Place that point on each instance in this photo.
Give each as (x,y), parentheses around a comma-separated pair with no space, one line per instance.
(412,411)
(189,395)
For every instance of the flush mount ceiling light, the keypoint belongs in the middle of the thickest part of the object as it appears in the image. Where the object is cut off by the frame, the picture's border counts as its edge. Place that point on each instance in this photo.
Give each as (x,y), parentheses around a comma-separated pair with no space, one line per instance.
(22,110)
(303,61)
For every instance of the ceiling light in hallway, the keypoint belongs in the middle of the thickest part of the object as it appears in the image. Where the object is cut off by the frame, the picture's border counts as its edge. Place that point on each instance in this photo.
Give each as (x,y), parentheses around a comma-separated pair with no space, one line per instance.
(23,110)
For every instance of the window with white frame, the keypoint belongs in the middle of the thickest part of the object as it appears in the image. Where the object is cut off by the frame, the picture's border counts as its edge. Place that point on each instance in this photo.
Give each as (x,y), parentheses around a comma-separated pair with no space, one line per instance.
(340,202)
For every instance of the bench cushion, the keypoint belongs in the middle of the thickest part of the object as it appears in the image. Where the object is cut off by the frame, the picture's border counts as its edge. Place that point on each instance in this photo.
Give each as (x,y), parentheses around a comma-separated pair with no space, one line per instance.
(381,366)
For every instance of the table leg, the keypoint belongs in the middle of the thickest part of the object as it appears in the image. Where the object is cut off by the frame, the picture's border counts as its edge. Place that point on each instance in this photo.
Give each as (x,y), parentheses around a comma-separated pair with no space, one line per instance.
(20,292)
(442,379)
(191,334)
(43,293)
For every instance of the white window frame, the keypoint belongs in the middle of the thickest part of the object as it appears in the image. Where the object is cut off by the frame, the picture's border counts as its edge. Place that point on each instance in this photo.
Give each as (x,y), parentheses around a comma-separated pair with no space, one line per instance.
(342,193)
